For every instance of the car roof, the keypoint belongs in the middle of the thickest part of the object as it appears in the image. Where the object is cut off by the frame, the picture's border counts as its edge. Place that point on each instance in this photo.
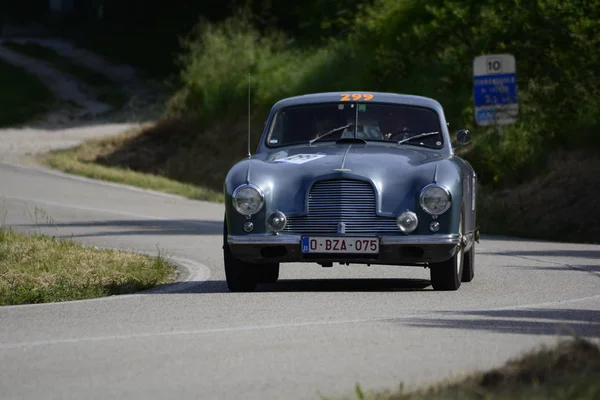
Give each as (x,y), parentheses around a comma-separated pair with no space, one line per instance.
(378,97)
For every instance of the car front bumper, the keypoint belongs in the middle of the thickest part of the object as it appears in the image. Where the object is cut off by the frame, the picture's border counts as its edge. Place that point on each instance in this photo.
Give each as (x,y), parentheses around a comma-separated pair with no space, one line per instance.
(393,250)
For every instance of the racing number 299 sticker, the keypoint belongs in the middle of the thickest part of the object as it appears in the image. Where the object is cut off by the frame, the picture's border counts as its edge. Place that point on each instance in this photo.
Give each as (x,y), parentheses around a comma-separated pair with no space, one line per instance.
(299,158)
(356,96)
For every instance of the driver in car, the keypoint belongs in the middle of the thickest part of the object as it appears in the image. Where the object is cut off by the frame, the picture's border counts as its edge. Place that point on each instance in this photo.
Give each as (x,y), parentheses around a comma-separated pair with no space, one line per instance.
(395,127)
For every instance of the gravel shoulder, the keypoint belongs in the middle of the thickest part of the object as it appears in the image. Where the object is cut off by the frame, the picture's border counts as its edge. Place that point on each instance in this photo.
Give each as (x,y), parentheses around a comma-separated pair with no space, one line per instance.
(23,144)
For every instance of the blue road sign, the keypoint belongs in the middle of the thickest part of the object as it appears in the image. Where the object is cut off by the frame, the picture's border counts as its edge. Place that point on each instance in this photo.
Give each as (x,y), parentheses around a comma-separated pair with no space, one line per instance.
(490,90)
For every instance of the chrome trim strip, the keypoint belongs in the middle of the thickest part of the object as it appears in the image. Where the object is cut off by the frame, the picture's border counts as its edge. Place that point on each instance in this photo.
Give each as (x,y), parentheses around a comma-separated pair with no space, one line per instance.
(269,239)
(420,239)
(266,239)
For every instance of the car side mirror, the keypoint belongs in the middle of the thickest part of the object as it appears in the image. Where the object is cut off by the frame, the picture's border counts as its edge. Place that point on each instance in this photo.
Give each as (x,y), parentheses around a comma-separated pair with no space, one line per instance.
(463,137)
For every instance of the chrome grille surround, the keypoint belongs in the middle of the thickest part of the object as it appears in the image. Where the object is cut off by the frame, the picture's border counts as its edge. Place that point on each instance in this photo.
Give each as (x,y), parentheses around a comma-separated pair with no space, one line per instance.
(342,206)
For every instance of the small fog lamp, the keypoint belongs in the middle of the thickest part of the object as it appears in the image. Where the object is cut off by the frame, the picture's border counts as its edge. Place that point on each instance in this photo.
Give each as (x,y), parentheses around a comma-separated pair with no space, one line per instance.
(407,221)
(276,221)
(248,226)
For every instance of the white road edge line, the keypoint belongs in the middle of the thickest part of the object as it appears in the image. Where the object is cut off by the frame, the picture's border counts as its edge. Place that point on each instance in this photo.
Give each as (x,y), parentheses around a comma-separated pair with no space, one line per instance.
(92,209)
(18,345)
(193,273)
(43,170)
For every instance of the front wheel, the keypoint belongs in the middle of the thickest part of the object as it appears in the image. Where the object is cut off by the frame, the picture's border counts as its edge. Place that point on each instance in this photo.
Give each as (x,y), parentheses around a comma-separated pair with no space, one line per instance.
(448,275)
(267,273)
(241,276)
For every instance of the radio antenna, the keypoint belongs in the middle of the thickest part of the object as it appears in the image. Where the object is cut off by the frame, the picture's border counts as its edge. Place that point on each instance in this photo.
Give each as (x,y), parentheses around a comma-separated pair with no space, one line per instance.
(249,151)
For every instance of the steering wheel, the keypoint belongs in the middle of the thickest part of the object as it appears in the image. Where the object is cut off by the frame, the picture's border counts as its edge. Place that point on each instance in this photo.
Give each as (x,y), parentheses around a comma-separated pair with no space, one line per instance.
(399,135)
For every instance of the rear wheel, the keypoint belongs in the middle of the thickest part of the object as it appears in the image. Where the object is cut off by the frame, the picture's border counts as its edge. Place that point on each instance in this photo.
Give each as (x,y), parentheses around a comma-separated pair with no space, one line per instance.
(447,275)
(469,265)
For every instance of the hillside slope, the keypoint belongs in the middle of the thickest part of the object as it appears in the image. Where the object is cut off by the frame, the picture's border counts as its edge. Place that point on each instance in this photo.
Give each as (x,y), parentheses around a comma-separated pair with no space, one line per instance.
(560,204)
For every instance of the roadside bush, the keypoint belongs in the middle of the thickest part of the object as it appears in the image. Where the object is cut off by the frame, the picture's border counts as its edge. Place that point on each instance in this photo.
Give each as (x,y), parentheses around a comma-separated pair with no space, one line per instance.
(219,60)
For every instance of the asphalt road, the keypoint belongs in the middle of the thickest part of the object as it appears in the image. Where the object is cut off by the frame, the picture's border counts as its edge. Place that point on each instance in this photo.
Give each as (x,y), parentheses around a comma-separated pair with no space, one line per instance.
(317,332)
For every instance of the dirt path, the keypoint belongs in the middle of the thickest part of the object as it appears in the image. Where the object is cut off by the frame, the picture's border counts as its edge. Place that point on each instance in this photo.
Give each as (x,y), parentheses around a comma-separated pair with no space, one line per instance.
(79,116)
(65,87)
(117,73)
(126,76)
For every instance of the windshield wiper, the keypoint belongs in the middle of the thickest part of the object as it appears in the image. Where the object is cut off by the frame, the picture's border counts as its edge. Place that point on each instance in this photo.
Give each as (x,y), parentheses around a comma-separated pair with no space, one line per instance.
(331,132)
(420,135)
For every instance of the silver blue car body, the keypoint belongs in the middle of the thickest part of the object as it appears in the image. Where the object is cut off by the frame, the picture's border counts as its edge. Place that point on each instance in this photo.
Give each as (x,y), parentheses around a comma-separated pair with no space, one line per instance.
(339,184)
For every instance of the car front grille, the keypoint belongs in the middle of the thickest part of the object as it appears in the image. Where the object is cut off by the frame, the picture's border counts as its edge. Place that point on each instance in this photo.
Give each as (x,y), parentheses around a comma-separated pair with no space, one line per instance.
(333,202)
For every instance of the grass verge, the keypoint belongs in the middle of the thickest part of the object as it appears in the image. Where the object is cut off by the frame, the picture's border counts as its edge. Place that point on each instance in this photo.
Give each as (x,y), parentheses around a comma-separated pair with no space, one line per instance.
(108,91)
(569,370)
(23,97)
(81,160)
(42,269)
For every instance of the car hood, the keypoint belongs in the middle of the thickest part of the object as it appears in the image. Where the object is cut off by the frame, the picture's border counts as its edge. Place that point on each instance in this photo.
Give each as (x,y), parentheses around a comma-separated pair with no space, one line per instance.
(397,173)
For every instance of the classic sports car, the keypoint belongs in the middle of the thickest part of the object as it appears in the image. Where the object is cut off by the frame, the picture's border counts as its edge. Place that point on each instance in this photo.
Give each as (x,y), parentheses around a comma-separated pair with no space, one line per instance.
(352,177)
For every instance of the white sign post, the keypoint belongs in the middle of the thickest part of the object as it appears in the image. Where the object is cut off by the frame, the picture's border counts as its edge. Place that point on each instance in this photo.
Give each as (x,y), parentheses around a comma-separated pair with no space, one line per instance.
(495,89)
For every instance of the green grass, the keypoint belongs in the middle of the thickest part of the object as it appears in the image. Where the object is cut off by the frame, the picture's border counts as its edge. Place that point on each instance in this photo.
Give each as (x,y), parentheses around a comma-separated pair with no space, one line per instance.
(108,91)
(569,370)
(81,160)
(41,269)
(23,97)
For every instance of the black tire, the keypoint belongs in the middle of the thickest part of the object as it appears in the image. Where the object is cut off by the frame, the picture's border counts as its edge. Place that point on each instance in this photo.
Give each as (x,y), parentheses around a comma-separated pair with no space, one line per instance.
(447,275)
(241,276)
(469,265)
(267,273)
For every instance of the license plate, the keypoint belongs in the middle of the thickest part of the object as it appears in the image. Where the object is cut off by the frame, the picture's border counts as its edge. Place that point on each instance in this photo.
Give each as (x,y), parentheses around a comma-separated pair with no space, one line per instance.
(342,245)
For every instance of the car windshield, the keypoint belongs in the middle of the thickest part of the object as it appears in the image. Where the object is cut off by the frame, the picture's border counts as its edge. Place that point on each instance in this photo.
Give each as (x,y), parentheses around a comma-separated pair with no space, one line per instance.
(369,121)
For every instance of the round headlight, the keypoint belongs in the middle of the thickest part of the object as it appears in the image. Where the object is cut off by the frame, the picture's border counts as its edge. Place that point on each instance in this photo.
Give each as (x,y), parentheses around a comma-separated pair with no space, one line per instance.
(248,199)
(435,200)
(276,221)
(407,221)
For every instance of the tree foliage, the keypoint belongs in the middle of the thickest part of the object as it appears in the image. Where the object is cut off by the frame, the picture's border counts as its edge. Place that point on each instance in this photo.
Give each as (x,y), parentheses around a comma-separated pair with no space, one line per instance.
(557,69)
(147,34)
